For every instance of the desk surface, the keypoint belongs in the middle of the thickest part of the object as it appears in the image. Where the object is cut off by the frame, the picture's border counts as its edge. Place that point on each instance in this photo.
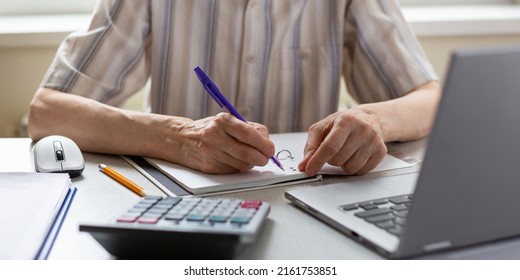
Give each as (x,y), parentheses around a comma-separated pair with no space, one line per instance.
(288,234)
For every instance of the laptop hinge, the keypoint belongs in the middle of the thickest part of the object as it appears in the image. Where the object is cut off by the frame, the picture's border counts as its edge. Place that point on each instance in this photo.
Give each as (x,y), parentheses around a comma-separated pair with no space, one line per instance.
(437,246)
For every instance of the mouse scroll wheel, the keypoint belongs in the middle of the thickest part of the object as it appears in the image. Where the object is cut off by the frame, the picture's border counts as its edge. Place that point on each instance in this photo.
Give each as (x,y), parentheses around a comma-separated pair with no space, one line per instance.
(59,155)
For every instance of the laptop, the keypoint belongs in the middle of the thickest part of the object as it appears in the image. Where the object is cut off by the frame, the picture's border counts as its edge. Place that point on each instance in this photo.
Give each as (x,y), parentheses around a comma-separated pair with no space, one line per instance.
(468,189)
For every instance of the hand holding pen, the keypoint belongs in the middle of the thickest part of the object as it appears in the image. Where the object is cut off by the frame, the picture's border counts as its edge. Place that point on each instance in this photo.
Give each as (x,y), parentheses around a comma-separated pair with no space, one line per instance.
(222,101)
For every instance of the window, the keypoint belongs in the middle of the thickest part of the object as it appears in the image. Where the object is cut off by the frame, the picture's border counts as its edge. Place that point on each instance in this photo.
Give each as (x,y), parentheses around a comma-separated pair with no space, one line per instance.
(39,7)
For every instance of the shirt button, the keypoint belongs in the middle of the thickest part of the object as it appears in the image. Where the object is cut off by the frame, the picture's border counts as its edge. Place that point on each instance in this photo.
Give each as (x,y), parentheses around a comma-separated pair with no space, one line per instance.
(252,4)
(250,58)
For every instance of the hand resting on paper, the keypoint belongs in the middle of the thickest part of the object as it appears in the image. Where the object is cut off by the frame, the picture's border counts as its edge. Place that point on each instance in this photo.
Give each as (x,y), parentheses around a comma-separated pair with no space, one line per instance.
(349,139)
(355,139)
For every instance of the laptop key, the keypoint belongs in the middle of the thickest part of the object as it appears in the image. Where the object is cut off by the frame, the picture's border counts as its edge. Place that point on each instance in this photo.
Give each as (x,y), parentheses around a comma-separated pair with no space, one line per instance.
(386,225)
(349,207)
(396,230)
(373,212)
(401,214)
(400,221)
(399,207)
(379,218)
(368,206)
(380,201)
(400,199)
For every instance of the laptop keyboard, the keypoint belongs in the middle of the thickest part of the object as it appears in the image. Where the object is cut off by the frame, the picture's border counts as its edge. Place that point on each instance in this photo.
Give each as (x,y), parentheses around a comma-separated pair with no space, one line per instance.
(388,214)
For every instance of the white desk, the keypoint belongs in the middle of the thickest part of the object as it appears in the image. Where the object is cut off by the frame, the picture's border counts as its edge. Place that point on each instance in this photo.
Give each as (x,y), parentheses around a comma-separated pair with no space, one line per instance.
(288,234)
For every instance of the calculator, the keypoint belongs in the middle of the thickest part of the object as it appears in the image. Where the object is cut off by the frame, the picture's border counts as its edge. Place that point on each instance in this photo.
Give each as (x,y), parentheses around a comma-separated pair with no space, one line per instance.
(182,228)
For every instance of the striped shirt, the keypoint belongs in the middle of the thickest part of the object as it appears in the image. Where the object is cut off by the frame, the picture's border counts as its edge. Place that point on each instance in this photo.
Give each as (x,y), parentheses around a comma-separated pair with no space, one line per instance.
(280,61)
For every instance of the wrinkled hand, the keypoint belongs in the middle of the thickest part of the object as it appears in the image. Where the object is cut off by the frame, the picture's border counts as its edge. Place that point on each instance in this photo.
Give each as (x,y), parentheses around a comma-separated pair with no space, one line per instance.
(349,139)
(224,144)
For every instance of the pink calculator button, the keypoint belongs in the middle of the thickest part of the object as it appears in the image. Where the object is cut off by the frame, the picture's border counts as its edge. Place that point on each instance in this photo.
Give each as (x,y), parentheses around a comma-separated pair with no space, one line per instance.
(251,204)
(126,219)
(147,220)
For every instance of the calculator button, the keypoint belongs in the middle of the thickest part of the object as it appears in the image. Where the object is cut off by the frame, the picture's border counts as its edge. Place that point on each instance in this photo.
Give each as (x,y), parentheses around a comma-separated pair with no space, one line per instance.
(231,204)
(251,204)
(174,218)
(195,218)
(158,209)
(245,212)
(152,214)
(218,219)
(239,220)
(148,220)
(200,213)
(135,211)
(127,219)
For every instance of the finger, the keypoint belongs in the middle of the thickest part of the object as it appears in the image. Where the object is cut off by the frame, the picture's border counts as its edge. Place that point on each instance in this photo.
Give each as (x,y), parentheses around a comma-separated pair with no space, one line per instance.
(217,160)
(249,135)
(350,146)
(247,154)
(369,166)
(303,164)
(327,149)
(230,164)
(365,158)
(356,161)
(315,136)
(373,161)
(261,128)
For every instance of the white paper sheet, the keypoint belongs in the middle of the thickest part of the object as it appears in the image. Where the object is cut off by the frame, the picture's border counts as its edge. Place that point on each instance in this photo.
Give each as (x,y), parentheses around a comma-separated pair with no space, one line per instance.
(198,182)
(29,203)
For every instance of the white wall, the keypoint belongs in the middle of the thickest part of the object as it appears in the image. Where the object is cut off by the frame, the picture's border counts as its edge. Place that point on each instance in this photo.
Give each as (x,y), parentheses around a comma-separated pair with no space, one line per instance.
(21,70)
(438,49)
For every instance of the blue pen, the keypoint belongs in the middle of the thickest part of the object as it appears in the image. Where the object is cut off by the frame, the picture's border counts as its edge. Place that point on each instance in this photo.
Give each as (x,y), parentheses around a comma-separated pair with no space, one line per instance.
(222,101)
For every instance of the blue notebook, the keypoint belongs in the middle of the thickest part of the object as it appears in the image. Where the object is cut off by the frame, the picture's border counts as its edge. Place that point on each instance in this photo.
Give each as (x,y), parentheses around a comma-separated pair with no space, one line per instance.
(45,250)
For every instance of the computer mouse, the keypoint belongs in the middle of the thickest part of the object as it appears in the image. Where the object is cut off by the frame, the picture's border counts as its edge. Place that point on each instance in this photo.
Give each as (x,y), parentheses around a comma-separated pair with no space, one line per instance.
(58,154)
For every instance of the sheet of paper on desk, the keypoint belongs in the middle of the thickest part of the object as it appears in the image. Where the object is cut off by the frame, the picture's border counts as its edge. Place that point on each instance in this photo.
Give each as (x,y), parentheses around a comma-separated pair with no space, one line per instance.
(16,155)
(29,203)
(290,152)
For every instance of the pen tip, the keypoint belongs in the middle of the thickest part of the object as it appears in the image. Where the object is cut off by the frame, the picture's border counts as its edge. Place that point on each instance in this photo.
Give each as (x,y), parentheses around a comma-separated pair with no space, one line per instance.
(101,166)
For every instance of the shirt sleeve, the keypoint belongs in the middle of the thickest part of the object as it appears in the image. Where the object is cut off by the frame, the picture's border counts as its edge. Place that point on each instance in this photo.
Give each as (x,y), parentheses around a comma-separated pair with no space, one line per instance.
(108,62)
(383,58)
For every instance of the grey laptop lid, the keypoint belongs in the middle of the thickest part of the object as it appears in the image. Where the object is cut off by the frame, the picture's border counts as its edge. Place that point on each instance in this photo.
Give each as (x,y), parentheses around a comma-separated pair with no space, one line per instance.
(467,191)
(472,165)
